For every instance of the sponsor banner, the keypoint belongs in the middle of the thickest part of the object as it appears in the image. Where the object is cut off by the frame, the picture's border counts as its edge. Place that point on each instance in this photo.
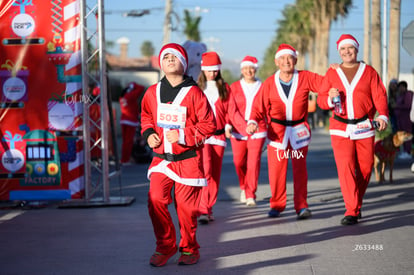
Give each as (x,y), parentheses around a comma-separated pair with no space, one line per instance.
(40,58)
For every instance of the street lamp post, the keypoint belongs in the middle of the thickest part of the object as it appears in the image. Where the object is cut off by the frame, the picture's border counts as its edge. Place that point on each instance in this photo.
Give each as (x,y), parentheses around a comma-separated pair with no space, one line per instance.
(167,22)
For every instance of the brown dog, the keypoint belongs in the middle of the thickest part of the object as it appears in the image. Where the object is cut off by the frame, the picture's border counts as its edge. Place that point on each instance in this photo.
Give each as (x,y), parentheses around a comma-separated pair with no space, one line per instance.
(385,152)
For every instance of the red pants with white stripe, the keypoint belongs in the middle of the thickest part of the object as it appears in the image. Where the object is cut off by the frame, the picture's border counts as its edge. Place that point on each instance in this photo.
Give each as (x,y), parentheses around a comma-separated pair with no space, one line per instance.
(246,158)
(212,163)
(186,201)
(128,134)
(354,161)
(277,167)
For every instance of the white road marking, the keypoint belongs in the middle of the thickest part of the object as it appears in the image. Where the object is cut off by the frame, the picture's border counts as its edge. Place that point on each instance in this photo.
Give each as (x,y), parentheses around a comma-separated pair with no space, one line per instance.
(10,215)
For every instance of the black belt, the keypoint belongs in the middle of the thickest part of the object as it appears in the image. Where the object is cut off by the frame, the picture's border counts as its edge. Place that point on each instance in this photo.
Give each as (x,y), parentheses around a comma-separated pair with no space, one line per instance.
(350,121)
(287,122)
(219,132)
(177,157)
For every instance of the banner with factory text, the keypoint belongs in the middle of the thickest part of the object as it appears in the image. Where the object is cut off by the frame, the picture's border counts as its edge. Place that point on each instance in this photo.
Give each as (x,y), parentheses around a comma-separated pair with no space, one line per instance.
(41,152)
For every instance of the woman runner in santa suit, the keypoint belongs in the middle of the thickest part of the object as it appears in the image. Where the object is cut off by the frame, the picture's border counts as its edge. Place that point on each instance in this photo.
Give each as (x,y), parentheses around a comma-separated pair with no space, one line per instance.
(176,118)
(361,95)
(217,92)
(247,149)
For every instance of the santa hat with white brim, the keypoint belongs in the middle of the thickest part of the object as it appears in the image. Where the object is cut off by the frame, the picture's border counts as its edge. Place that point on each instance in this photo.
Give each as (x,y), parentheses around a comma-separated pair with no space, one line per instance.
(175,49)
(210,61)
(286,49)
(347,39)
(249,61)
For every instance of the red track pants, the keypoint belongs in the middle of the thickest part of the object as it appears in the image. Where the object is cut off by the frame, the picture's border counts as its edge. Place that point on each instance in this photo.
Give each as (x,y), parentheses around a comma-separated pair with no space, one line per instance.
(246,158)
(128,133)
(186,201)
(354,161)
(277,168)
(212,163)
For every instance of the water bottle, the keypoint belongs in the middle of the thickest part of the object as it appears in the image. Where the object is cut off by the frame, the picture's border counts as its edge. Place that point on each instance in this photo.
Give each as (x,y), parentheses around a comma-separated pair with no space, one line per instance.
(338,104)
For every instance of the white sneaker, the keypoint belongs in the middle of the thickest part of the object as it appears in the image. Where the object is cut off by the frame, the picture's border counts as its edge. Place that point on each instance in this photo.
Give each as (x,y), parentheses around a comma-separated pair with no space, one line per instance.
(412,167)
(250,202)
(243,196)
(304,214)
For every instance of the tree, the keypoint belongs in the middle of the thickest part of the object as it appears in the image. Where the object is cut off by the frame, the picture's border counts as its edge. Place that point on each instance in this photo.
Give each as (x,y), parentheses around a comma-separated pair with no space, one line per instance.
(109,44)
(191,30)
(147,50)
(394,40)
(268,67)
(306,26)
(324,12)
(228,76)
(294,29)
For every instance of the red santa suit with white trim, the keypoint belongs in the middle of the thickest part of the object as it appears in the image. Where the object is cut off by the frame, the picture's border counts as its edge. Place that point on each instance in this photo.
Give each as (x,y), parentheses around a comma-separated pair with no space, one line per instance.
(352,134)
(176,166)
(129,118)
(247,149)
(213,150)
(285,104)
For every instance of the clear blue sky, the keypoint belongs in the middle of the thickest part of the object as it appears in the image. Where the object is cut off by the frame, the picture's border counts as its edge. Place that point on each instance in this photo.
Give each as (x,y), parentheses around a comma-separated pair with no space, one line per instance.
(233,28)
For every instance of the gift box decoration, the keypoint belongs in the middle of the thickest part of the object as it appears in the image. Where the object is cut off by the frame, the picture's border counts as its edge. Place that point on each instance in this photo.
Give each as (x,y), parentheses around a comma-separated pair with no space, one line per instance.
(13,82)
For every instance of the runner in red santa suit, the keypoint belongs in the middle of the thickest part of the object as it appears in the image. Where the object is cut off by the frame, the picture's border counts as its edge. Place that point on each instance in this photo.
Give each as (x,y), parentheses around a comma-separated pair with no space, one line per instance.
(176,119)
(247,149)
(129,118)
(217,92)
(362,94)
(283,100)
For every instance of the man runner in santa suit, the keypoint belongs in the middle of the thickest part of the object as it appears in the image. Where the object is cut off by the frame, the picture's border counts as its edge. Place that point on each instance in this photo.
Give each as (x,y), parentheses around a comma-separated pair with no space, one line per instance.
(176,118)
(283,100)
(362,94)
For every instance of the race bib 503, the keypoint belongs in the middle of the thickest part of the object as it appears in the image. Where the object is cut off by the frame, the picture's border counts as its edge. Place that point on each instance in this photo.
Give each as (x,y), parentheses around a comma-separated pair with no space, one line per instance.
(171,116)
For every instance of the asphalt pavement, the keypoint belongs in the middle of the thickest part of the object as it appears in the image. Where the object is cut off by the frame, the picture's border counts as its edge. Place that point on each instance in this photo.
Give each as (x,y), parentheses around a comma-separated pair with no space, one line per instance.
(44,238)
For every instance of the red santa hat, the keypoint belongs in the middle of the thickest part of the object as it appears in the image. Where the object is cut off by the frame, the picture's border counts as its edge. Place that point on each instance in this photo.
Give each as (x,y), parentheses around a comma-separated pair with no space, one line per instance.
(210,61)
(286,49)
(249,61)
(175,49)
(96,91)
(347,39)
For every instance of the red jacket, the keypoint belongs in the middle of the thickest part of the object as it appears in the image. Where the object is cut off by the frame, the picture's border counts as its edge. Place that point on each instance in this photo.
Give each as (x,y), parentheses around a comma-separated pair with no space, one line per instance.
(129,105)
(271,103)
(200,124)
(225,112)
(364,96)
(244,102)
